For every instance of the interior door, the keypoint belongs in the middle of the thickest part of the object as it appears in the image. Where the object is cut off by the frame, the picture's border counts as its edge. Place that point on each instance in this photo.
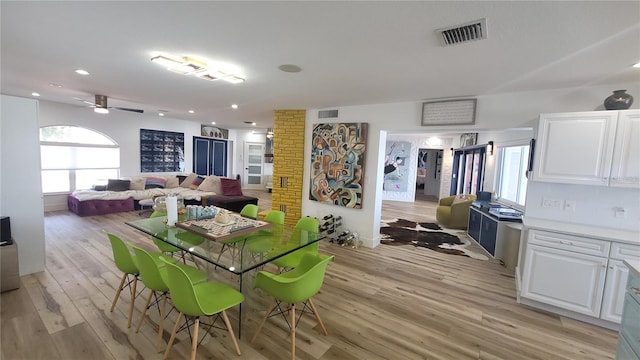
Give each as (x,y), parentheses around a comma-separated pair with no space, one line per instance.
(253,164)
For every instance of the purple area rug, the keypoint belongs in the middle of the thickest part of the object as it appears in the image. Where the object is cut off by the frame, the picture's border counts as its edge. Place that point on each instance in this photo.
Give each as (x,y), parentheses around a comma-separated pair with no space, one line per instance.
(426,235)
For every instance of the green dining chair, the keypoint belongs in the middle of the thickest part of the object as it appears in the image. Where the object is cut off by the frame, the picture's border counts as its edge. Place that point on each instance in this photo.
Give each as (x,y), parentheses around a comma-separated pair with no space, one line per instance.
(127,263)
(154,276)
(196,300)
(296,286)
(248,211)
(262,242)
(171,250)
(306,229)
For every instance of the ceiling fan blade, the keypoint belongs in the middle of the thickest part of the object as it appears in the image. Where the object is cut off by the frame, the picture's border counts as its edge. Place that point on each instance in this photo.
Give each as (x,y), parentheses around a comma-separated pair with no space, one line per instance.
(128,109)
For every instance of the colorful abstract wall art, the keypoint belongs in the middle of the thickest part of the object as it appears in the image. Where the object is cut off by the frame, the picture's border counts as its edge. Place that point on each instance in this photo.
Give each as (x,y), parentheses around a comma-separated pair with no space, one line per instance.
(396,166)
(337,163)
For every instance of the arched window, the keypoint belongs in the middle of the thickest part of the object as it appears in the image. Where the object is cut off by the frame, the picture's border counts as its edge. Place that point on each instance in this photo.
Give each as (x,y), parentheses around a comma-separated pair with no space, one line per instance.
(76,158)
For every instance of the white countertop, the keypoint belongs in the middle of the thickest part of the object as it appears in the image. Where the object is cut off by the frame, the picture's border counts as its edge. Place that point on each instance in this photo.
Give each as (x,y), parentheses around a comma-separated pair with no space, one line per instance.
(633,266)
(618,235)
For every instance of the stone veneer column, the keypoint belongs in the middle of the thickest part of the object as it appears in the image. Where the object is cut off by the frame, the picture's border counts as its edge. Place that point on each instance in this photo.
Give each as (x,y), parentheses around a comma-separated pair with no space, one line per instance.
(288,163)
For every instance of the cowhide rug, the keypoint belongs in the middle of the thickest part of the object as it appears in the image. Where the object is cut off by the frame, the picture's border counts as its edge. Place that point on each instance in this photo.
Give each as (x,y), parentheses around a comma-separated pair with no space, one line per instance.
(428,235)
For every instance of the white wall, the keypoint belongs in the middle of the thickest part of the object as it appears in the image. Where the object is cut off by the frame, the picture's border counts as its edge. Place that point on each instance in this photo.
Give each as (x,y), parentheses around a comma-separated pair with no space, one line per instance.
(493,113)
(123,127)
(594,204)
(20,188)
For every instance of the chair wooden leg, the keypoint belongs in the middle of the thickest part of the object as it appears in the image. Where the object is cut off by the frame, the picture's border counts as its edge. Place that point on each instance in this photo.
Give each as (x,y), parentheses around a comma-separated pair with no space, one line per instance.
(173,336)
(161,324)
(269,310)
(133,301)
(315,312)
(194,340)
(233,336)
(293,331)
(144,312)
(115,299)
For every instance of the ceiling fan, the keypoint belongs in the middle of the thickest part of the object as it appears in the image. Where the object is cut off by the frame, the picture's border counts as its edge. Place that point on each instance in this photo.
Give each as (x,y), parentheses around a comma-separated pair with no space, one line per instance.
(100,105)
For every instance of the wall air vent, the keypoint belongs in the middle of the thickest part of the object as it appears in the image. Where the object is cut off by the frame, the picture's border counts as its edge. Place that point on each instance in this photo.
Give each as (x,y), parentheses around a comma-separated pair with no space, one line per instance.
(326,114)
(471,31)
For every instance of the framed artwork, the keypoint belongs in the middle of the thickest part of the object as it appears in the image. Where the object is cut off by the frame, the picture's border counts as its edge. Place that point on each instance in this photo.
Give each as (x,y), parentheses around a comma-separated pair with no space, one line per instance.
(214,132)
(337,163)
(449,112)
(396,166)
(161,151)
(468,139)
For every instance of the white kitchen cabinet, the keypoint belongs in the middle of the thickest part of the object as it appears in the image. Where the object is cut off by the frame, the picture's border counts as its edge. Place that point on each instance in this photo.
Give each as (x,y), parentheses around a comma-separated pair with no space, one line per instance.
(581,274)
(565,279)
(617,275)
(613,297)
(625,168)
(592,148)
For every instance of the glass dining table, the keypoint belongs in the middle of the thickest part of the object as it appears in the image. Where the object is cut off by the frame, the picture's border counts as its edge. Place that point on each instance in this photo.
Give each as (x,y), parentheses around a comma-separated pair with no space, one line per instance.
(231,252)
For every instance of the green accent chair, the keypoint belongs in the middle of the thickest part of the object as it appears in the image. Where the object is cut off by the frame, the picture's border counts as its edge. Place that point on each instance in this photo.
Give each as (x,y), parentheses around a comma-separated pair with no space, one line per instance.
(296,286)
(248,211)
(127,263)
(306,229)
(153,275)
(196,300)
(453,211)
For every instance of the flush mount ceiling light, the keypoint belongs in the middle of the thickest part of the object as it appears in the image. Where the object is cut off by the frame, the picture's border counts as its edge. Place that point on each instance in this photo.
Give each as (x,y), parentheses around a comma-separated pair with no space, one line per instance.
(202,69)
(82,72)
(290,68)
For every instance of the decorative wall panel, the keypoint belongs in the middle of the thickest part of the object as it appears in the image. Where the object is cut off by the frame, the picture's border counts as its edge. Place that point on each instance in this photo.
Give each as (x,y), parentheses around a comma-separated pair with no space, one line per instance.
(161,151)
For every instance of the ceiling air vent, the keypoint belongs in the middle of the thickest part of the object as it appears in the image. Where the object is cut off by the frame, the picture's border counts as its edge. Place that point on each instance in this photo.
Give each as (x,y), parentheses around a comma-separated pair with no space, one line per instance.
(471,31)
(325,114)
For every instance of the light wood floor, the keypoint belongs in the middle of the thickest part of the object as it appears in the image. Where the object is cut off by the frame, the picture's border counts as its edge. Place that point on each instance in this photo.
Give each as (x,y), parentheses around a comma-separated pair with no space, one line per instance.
(391,302)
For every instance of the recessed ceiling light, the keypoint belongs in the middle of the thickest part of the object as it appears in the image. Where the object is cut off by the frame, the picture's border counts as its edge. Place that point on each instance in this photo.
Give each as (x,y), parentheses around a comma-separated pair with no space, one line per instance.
(636,65)
(35,94)
(213,123)
(290,68)
(234,106)
(82,72)
(160,114)
(254,124)
(191,112)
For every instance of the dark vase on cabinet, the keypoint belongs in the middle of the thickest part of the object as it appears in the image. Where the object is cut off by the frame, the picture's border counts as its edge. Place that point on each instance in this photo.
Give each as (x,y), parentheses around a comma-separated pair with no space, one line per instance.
(619,100)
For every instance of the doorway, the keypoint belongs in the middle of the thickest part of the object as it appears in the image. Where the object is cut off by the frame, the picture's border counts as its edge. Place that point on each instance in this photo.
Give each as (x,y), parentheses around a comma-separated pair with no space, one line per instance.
(468,170)
(253,165)
(429,174)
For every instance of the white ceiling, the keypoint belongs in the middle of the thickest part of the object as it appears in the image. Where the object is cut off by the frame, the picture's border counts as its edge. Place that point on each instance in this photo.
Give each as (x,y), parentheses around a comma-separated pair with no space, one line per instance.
(351,52)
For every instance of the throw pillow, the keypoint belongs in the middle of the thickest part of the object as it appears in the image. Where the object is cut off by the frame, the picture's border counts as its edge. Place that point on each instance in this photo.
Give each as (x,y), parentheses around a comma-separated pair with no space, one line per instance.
(137,183)
(118,185)
(196,182)
(231,187)
(211,184)
(99,187)
(186,183)
(155,183)
(172,182)
(460,198)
